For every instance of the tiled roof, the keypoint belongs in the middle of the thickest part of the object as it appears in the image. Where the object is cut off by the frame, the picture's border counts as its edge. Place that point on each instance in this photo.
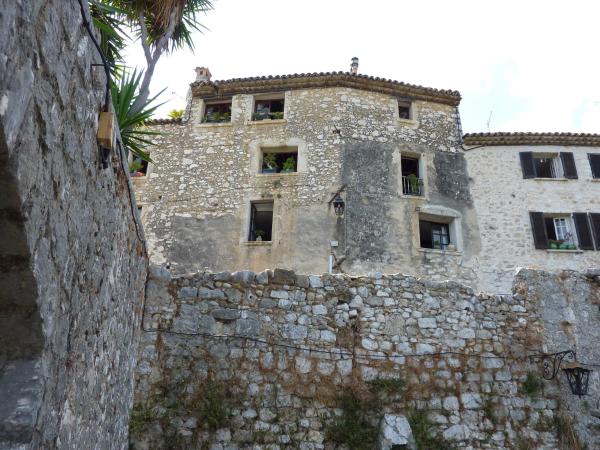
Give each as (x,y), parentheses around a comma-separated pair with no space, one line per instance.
(322,79)
(567,139)
(163,121)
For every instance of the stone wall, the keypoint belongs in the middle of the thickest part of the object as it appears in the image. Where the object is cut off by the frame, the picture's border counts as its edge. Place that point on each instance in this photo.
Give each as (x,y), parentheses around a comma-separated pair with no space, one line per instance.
(280,348)
(197,196)
(503,200)
(72,264)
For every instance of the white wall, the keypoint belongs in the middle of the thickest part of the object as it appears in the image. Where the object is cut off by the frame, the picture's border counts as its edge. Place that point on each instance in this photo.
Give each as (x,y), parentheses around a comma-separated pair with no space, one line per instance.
(503,199)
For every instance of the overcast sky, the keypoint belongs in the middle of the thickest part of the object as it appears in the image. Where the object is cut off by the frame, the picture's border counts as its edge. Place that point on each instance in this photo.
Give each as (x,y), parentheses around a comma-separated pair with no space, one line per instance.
(524,65)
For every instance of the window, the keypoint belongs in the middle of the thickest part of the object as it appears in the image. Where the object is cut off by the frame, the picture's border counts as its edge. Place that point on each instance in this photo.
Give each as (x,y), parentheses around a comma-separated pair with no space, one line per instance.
(548,165)
(217,112)
(404,109)
(261,221)
(595,164)
(279,160)
(266,109)
(138,167)
(434,234)
(411,181)
(565,231)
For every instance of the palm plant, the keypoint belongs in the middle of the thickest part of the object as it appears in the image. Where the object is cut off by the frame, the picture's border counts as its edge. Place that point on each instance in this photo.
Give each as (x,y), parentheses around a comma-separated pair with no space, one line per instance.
(176,113)
(134,134)
(162,26)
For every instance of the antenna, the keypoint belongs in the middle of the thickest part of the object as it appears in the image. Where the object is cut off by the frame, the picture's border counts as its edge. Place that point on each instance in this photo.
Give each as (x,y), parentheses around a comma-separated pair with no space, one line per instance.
(489,120)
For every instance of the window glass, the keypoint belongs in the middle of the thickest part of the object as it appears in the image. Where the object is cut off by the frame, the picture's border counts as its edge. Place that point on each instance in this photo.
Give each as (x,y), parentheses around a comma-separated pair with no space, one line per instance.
(434,235)
(261,221)
(217,113)
(595,165)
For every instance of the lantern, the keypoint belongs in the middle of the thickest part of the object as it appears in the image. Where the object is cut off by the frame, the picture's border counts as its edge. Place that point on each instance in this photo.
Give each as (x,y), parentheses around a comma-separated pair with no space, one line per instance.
(338,205)
(578,377)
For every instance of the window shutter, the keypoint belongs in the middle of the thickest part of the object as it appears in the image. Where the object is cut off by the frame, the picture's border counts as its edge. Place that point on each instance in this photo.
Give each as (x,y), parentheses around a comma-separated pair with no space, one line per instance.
(584,234)
(595,220)
(539,230)
(568,163)
(527,164)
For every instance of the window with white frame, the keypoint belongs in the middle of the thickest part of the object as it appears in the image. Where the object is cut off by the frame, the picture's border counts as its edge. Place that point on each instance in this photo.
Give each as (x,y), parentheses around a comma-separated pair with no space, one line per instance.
(560,232)
(548,165)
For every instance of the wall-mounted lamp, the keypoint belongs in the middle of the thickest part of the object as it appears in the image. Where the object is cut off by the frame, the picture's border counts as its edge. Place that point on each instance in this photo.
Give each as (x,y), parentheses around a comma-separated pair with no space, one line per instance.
(577,375)
(339,205)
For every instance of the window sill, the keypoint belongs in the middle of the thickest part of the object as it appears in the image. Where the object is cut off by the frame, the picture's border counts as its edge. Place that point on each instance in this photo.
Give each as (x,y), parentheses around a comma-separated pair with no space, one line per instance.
(557,250)
(215,125)
(407,122)
(266,122)
(257,243)
(595,180)
(440,252)
(551,179)
(414,197)
(278,174)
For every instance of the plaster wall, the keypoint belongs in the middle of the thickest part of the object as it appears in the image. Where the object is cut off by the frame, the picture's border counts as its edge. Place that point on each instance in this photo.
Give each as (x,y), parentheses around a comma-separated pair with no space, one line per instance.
(197,196)
(503,200)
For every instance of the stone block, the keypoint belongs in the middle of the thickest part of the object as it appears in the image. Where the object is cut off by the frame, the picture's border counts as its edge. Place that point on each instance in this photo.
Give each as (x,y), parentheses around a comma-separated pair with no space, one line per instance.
(395,430)
(247,327)
(282,276)
(187,292)
(315,281)
(471,400)
(302,281)
(295,332)
(243,277)
(225,315)
(427,322)
(279,294)
(210,293)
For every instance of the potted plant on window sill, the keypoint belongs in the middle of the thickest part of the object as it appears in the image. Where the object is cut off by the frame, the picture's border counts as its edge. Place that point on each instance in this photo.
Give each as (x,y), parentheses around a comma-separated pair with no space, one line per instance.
(270,161)
(276,115)
(289,165)
(259,235)
(555,244)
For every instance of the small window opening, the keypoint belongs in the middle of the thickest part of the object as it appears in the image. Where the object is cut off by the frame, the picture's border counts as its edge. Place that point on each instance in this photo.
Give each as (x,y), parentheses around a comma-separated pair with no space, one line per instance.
(268,109)
(261,221)
(404,110)
(434,234)
(547,166)
(138,167)
(595,165)
(279,160)
(217,112)
(560,233)
(411,181)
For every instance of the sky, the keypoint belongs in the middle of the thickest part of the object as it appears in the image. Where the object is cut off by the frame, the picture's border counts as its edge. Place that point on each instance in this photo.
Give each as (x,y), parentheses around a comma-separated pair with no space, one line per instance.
(523,65)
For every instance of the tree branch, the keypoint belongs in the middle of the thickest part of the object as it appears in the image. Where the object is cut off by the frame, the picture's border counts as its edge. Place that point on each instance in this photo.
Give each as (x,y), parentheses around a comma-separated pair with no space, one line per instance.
(144,37)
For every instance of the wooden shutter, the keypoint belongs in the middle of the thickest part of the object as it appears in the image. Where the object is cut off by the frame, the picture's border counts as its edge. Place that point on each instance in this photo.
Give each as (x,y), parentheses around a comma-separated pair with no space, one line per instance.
(539,230)
(527,164)
(595,220)
(568,163)
(584,234)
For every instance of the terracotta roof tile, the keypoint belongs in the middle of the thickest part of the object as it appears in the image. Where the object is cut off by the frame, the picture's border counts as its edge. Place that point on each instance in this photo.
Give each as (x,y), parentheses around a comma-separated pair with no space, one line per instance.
(268,83)
(504,138)
(167,121)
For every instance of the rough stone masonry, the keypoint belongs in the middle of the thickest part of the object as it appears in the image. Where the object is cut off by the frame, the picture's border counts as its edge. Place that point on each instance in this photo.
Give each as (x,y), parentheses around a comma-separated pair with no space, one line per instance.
(72,267)
(279,348)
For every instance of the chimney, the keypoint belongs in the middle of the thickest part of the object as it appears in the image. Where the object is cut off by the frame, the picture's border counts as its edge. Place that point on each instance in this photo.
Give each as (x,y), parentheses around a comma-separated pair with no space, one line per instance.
(203,74)
(354,66)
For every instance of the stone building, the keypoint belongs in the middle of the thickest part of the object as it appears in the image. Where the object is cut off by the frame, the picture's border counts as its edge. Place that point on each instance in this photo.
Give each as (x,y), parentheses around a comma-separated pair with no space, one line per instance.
(537,197)
(250,178)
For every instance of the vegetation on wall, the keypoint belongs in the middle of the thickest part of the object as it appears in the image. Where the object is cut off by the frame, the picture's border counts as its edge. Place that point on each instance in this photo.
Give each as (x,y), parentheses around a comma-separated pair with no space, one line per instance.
(532,386)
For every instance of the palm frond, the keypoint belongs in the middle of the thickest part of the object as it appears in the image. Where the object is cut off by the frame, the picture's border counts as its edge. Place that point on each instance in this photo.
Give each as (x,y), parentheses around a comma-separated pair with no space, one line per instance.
(132,123)
(109,20)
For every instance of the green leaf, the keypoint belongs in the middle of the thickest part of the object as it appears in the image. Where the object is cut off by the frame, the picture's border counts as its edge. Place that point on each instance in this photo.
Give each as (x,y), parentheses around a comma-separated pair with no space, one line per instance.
(135,136)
